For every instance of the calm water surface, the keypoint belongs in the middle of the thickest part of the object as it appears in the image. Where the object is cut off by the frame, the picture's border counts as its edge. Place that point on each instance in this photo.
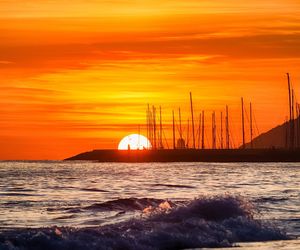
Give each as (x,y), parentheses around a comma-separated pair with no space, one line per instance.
(85,194)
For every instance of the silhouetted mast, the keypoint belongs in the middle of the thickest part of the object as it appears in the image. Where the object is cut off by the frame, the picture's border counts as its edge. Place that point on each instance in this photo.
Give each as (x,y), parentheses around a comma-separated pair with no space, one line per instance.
(193,127)
(227,128)
(290,111)
(147,122)
(188,133)
(290,99)
(251,127)
(214,130)
(180,127)
(293,118)
(286,132)
(154,126)
(150,126)
(160,129)
(174,146)
(202,144)
(199,131)
(222,130)
(243,123)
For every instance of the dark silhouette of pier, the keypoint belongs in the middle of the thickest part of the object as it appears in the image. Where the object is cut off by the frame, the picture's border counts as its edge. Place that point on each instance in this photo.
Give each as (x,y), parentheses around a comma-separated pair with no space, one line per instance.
(191,155)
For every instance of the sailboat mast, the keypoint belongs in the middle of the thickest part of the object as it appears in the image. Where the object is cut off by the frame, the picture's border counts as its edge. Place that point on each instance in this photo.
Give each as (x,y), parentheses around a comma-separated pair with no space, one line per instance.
(147,125)
(293,120)
(251,126)
(154,126)
(193,127)
(290,111)
(174,146)
(214,130)
(199,131)
(243,124)
(160,129)
(227,128)
(180,127)
(188,133)
(202,144)
(286,132)
(222,130)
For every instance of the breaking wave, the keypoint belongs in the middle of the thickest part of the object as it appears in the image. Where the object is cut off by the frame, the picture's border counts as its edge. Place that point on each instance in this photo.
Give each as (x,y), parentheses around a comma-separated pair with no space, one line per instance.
(129,204)
(218,221)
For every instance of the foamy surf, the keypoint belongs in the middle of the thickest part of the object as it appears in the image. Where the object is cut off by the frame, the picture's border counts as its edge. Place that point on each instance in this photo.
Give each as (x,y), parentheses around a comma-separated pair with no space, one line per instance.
(205,222)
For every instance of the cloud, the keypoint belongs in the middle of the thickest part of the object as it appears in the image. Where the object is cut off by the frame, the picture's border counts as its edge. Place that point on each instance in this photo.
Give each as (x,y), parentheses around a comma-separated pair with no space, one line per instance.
(80,56)
(65,77)
(87,8)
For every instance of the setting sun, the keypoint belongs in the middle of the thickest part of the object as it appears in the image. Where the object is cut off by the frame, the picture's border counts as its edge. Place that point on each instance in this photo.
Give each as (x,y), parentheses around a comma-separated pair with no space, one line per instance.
(134,142)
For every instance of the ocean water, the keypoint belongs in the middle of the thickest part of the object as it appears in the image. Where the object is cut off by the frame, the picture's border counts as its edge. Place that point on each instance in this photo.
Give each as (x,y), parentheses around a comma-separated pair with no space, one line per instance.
(88,205)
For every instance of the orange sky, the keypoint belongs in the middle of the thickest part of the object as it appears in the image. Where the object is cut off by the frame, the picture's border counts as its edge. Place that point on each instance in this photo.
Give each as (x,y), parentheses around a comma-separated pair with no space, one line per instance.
(77,75)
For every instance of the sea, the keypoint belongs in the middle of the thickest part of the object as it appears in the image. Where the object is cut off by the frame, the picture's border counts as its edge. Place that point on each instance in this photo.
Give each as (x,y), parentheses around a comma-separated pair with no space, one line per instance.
(89,205)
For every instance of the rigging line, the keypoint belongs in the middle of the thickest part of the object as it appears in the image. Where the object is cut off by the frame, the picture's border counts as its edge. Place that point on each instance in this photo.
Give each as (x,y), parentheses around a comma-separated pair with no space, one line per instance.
(248,124)
(197,136)
(231,139)
(295,97)
(188,133)
(219,138)
(198,133)
(207,140)
(178,129)
(247,116)
(255,123)
(177,126)
(166,139)
(292,87)
(232,128)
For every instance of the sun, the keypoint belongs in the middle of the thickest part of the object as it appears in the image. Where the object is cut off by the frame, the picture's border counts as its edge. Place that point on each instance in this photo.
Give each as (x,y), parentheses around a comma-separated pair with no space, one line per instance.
(134,142)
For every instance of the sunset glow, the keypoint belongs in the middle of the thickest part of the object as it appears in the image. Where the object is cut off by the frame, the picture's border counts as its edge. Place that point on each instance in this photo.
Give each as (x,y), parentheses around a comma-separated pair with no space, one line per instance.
(77,76)
(134,142)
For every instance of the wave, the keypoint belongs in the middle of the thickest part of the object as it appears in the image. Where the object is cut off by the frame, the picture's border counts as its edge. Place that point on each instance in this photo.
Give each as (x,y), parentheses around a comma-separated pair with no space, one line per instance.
(119,205)
(94,190)
(271,199)
(19,189)
(18,194)
(172,186)
(218,221)
(129,204)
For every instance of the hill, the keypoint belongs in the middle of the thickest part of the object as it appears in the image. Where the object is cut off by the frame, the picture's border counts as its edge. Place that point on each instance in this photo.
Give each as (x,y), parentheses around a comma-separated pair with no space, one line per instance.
(277,137)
